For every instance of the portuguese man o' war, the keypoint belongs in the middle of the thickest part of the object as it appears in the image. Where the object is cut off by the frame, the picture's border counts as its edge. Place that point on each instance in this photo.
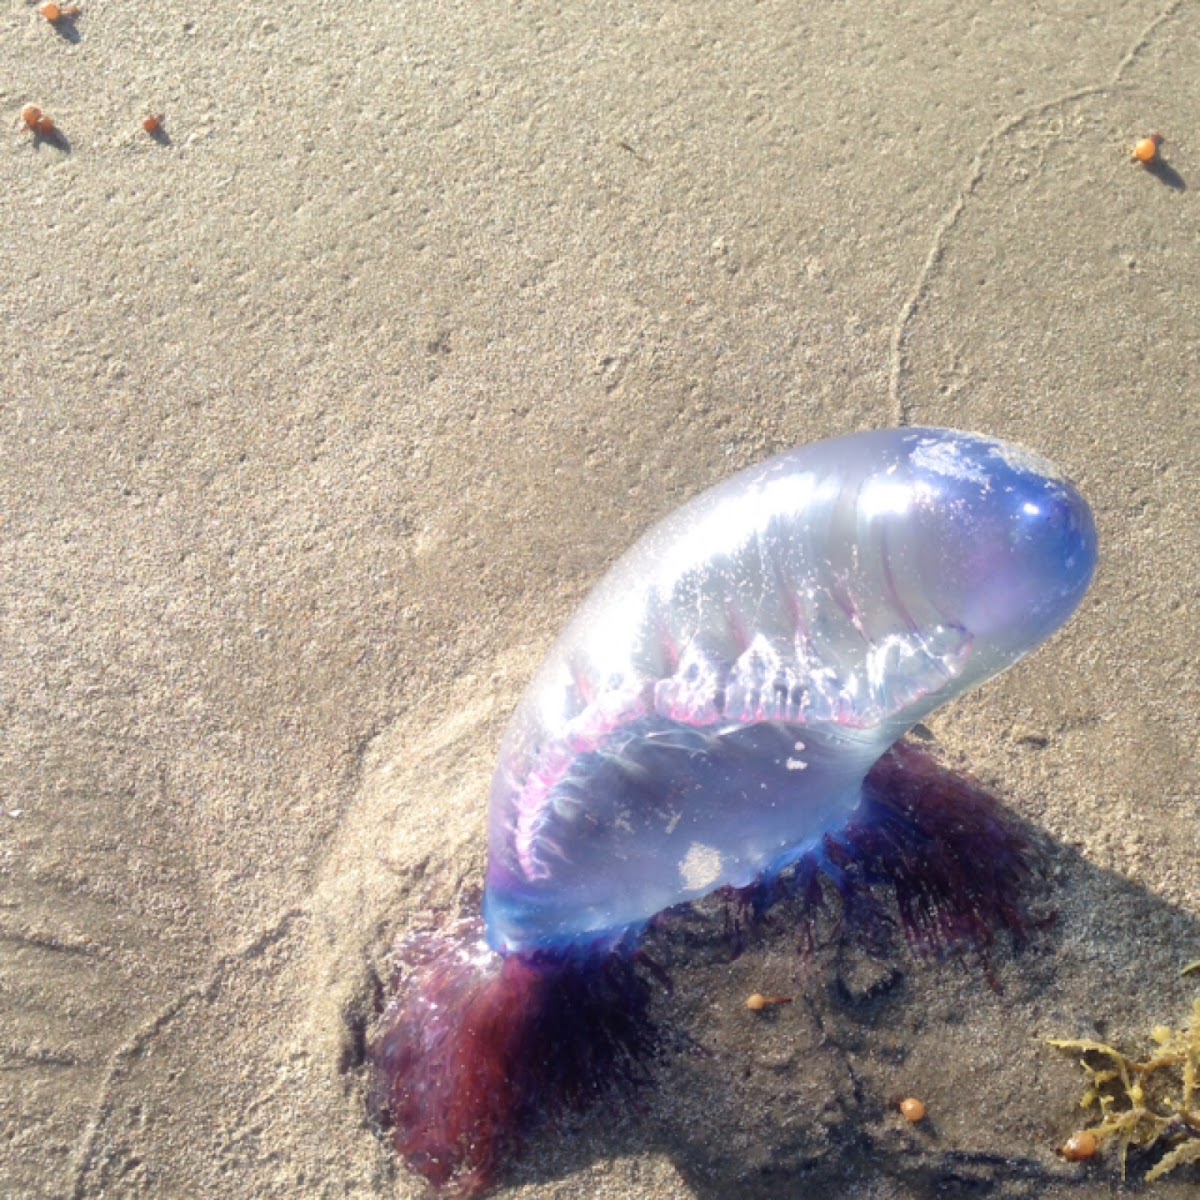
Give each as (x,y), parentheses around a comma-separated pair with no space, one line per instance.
(719,713)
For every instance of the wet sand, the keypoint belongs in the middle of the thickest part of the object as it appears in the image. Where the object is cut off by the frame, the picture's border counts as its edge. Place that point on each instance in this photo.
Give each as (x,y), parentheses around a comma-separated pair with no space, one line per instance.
(321,412)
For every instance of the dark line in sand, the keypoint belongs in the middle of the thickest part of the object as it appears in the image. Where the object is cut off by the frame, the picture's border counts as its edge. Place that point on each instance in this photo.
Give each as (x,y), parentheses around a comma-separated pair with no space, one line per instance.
(979,162)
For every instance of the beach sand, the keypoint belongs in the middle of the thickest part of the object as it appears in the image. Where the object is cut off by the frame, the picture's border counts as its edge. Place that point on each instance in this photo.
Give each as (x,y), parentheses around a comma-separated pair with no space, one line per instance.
(320,413)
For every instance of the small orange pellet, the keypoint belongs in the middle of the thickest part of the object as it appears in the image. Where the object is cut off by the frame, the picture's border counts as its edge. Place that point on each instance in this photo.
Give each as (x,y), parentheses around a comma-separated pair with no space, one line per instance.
(55,13)
(1080,1147)
(1146,149)
(758,1002)
(912,1109)
(152,124)
(37,122)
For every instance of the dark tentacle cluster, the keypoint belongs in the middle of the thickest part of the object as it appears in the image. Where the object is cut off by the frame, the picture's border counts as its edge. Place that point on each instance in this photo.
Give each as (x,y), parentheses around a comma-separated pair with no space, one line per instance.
(928,852)
(474,1048)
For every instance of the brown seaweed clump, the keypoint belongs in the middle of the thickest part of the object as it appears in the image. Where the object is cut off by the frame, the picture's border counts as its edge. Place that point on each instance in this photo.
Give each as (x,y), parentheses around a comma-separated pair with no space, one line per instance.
(1144,1103)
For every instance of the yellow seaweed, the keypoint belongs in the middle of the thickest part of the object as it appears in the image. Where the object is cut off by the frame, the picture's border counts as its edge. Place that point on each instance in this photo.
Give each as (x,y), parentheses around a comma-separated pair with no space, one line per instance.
(1148,1101)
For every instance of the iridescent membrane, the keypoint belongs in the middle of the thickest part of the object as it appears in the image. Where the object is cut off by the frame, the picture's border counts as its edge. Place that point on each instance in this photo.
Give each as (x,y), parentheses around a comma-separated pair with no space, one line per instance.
(713,708)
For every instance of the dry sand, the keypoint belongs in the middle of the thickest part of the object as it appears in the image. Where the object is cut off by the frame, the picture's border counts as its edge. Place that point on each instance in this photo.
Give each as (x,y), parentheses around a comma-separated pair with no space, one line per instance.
(320,415)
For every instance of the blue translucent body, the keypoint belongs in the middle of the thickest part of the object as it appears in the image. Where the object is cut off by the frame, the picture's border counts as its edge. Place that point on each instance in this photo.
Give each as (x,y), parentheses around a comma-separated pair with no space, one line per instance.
(712,709)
